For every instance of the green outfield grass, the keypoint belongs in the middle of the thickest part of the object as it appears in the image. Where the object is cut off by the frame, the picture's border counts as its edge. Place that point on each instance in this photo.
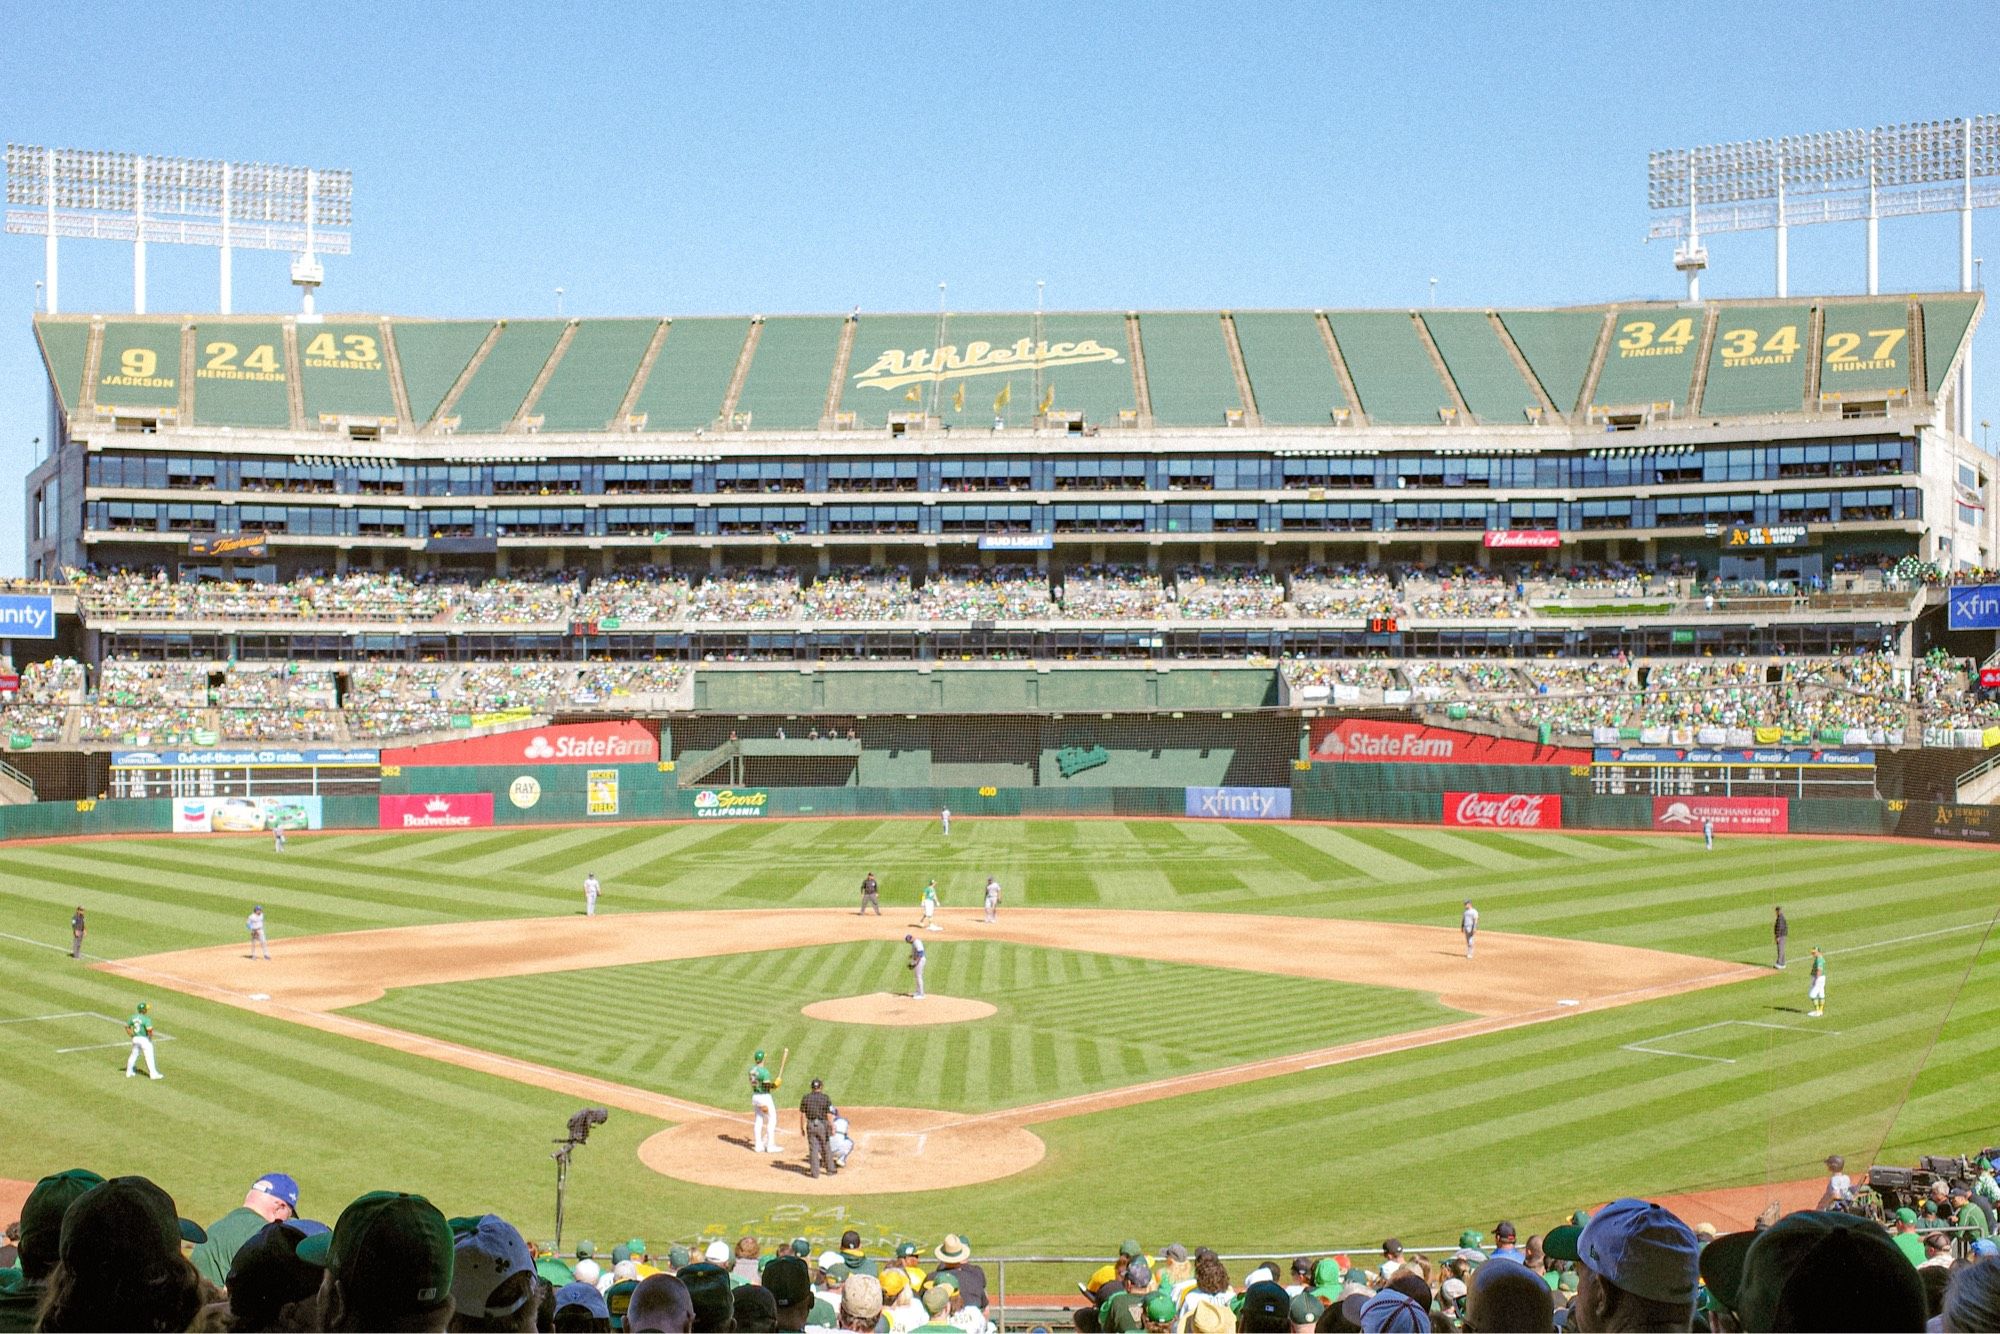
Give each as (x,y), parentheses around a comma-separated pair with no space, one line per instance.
(1068,1022)
(1526,1123)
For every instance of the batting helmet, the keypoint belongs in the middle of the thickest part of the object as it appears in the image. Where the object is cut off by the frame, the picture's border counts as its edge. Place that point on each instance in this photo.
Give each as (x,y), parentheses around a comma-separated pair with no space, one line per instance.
(142,1007)
(758,1057)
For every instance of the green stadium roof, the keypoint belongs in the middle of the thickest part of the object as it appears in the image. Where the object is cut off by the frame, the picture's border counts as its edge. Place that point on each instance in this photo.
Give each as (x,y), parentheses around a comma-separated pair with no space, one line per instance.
(1171,370)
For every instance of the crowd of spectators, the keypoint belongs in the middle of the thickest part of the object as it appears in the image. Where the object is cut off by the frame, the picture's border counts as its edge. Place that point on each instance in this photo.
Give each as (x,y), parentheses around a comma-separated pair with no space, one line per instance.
(94,1254)
(1091,591)
(855,596)
(1001,593)
(1227,594)
(1342,591)
(746,595)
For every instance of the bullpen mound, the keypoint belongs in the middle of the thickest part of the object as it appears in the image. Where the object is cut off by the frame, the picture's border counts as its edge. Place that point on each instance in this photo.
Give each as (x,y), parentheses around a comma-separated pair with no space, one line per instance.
(884,1007)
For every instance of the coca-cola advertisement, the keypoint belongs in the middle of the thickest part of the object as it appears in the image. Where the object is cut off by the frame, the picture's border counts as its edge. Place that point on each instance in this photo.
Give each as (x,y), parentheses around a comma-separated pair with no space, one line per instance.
(453,810)
(1503,810)
(1379,741)
(1523,539)
(1729,815)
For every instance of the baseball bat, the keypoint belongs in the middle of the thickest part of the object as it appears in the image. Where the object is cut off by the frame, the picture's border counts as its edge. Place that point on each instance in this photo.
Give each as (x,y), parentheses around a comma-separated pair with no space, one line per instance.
(783,1056)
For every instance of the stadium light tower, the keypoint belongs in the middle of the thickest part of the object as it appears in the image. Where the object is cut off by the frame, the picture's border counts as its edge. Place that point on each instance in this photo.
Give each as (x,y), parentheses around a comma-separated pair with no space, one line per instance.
(137,197)
(1933,166)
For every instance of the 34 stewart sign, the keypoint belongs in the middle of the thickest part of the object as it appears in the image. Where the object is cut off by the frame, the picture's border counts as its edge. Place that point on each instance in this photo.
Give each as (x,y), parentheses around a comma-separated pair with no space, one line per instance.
(1503,810)
(1376,741)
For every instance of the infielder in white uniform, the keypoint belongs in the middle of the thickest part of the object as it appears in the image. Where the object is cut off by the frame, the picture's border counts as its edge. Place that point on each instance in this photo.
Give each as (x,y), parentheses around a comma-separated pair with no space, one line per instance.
(254,924)
(1468,925)
(140,1027)
(590,895)
(928,905)
(992,899)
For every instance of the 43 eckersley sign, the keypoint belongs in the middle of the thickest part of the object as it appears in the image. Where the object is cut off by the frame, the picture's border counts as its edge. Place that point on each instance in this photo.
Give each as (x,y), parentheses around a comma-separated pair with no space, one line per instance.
(1503,810)
(1376,741)
(570,743)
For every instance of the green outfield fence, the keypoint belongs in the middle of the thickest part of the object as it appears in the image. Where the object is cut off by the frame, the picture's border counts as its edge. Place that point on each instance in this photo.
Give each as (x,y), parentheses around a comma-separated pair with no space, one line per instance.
(576,794)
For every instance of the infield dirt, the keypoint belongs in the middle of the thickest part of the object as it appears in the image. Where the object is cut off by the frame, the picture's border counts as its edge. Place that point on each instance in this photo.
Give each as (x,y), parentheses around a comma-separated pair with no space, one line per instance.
(1515,980)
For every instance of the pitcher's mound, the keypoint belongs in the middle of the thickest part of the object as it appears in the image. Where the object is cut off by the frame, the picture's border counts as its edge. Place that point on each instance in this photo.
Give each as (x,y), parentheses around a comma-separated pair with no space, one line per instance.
(884,1007)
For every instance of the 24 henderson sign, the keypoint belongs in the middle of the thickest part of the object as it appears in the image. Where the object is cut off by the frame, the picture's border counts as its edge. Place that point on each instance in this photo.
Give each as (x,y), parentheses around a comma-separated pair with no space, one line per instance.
(1503,810)
(1376,741)
(454,810)
(1729,815)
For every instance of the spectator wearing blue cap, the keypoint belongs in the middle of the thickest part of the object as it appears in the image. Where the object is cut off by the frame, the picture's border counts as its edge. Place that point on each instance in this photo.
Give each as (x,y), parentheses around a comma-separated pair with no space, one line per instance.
(581,1309)
(272,1198)
(1638,1267)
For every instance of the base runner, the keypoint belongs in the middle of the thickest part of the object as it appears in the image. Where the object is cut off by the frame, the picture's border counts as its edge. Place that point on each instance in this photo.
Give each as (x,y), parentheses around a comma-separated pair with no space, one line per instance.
(763,1107)
(1816,993)
(140,1028)
(929,906)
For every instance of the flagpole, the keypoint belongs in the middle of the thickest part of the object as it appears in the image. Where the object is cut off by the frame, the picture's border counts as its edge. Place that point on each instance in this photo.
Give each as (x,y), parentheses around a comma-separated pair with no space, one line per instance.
(1038,345)
(937,351)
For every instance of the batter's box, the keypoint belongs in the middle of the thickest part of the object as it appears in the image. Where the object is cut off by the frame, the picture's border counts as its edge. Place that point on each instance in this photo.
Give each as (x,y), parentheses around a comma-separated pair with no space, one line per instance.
(72,1031)
(892,1143)
(1720,1040)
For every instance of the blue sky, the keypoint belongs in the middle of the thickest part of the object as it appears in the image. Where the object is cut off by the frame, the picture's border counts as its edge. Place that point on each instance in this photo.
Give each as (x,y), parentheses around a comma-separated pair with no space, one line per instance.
(682,159)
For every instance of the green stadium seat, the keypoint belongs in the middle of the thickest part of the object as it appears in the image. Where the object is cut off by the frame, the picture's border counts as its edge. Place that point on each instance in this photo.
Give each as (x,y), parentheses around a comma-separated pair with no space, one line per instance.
(433,355)
(690,378)
(65,347)
(343,372)
(1188,373)
(882,343)
(1758,360)
(596,370)
(1392,371)
(502,382)
(1291,374)
(139,366)
(1558,346)
(785,389)
(240,377)
(1864,347)
(1651,357)
(1945,322)
(1486,376)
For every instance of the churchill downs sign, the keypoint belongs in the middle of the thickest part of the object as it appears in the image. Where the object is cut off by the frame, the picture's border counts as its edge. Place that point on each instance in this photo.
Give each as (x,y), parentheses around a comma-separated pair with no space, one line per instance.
(896,367)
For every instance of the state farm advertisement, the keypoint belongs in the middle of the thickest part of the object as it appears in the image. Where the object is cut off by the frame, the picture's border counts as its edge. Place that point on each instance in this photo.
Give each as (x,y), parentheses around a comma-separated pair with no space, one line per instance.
(1503,810)
(568,743)
(1729,815)
(452,810)
(1375,741)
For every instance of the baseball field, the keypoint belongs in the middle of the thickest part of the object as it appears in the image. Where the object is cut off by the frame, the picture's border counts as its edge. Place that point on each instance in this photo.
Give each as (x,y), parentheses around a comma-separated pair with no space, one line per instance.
(1235,1034)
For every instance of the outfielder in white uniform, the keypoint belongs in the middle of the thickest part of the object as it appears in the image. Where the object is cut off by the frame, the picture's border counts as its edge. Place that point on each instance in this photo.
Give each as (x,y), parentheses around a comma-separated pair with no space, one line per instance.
(992,899)
(944,820)
(140,1027)
(1468,925)
(254,924)
(763,1107)
(590,895)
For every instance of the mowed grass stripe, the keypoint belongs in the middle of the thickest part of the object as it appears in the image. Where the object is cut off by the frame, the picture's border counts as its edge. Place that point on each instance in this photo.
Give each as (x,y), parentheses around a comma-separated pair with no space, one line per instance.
(1052,1003)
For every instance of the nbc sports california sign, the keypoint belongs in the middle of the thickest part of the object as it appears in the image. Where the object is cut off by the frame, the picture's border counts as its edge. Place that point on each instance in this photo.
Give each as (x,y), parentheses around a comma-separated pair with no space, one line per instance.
(570,743)
(712,803)
(1381,741)
(898,367)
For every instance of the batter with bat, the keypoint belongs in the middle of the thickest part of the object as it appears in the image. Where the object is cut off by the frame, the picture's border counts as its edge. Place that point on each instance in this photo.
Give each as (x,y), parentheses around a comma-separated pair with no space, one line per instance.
(763,1107)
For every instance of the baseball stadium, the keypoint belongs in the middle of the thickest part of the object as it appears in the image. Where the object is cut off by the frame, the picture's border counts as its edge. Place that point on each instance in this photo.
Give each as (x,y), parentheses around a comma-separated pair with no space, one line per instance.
(997,783)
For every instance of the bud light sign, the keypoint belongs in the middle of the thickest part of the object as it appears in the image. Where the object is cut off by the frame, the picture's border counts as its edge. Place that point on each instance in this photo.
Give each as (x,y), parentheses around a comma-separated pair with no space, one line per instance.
(1503,810)
(1239,803)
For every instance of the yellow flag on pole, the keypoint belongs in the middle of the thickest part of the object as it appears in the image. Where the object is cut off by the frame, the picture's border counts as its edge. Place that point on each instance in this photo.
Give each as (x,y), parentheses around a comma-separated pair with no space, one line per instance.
(958,398)
(1004,397)
(1048,399)
(915,394)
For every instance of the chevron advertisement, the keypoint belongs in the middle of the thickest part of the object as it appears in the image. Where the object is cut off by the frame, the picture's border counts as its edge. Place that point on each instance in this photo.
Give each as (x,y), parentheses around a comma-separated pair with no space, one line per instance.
(1380,741)
(569,743)
(452,810)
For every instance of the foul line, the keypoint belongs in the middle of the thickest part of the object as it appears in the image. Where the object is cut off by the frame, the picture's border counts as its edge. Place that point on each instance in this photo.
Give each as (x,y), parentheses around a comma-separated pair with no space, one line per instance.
(1725,1023)
(1904,940)
(43,944)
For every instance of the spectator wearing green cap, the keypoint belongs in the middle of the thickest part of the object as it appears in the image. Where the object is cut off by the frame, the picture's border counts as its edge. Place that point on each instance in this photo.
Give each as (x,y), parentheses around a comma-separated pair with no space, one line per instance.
(1903,1231)
(119,1263)
(41,1241)
(389,1262)
(940,1303)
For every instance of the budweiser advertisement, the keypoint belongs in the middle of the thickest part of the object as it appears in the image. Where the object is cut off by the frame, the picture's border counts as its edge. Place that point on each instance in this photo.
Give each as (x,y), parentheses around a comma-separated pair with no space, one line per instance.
(453,810)
(1524,539)
(1503,810)
(569,743)
(1375,741)
(1729,815)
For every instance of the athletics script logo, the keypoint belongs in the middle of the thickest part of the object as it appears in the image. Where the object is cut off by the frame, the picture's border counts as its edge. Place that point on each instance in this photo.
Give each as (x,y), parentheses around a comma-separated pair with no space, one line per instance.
(896,367)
